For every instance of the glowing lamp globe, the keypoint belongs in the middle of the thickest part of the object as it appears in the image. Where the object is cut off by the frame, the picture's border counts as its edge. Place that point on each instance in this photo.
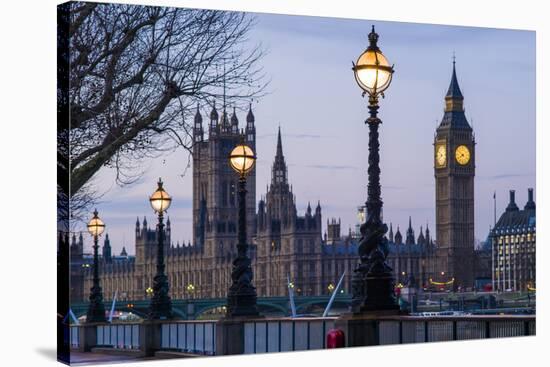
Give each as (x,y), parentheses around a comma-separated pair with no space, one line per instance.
(242,159)
(160,200)
(96,225)
(372,70)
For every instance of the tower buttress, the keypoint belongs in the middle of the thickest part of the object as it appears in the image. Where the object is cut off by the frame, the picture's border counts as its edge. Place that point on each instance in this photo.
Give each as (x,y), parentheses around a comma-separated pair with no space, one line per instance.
(234,123)
(250,127)
(198,132)
(214,127)
(137,228)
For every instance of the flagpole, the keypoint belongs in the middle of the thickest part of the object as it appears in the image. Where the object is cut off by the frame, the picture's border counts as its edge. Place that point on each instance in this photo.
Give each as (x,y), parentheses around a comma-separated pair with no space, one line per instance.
(495,209)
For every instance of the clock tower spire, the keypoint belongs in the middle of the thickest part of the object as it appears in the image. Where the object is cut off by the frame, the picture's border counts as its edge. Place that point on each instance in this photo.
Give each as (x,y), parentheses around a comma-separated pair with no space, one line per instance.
(454,170)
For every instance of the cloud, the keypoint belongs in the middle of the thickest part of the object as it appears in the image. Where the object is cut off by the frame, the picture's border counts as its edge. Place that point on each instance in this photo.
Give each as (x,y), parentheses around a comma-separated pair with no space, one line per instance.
(295,136)
(506,175)
(330,167)
(394,187)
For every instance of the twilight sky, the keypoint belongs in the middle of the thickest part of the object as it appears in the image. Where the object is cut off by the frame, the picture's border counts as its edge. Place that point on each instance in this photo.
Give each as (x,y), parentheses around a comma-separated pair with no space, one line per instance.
(319,107)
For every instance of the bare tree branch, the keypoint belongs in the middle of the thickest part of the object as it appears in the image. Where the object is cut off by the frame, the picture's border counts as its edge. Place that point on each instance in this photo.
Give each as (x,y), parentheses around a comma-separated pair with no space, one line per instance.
(134,74)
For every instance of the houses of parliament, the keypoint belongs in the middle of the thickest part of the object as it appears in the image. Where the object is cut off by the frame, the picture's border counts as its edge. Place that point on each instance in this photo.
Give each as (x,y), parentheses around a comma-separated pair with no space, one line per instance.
(287,245)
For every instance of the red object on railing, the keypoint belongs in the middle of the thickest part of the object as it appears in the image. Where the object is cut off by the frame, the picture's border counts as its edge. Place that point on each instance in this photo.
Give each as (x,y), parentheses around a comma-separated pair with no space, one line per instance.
(335,339)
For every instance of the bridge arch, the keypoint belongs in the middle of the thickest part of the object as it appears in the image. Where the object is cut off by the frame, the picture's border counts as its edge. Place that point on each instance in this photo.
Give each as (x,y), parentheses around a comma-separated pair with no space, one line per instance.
(274,306)
(201,309)
(303,306)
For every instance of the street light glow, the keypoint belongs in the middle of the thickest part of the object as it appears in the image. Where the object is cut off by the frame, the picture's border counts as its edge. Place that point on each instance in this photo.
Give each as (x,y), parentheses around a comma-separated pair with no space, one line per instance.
(160,200)
(96,225)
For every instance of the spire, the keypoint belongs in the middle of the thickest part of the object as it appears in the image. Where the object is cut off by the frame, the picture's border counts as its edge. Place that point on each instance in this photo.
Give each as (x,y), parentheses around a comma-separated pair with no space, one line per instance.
(106,251)
(398,237)
(198,117)
(279,144)
(279,169)
(391,233)
(454,88)
(214,115)
(123,252)
(530,205)
(410,234)
(428,239)
(454,116)
(225,120)
(454,109)
(250,115)
(421,239)
(234,119)
(308,211)
(144,222)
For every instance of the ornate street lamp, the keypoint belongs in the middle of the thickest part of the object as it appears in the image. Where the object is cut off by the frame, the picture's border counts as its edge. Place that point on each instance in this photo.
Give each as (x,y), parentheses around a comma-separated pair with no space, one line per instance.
(161,305)
(241,298)
(96,308)
(372,282)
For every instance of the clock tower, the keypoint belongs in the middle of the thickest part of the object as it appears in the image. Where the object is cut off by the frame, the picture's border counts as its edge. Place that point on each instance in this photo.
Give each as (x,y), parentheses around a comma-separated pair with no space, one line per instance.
(454,166)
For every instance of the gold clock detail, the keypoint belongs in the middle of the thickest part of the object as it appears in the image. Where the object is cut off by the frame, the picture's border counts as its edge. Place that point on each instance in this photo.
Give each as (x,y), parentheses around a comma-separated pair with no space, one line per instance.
(462,155)
(440,155)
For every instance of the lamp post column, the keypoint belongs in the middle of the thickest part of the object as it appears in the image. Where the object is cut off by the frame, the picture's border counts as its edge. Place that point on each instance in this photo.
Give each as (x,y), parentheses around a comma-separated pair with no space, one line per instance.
(96,308)
(161,305)
(372,282)
(241,299)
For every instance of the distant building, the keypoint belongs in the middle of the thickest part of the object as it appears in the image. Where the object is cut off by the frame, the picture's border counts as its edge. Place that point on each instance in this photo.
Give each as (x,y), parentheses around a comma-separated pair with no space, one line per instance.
(483,264)
(514,247)
(411,260)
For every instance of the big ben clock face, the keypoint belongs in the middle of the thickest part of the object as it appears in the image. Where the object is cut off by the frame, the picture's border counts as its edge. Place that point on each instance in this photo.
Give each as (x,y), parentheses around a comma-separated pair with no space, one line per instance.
(462,155)
(440,155)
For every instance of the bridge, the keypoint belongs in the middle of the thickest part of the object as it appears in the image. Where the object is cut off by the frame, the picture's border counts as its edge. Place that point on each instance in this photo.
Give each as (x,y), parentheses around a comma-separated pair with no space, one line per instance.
(192,309)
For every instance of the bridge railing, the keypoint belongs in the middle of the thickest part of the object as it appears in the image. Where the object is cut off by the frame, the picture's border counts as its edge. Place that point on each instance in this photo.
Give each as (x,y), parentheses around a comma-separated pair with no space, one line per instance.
(119,336)
(286,334)
(267,335)
(407,329)
(198,337)
(74,336)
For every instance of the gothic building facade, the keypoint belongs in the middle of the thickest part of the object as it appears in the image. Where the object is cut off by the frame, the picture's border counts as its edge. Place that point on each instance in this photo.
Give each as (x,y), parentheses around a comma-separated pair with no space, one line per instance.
(288,245)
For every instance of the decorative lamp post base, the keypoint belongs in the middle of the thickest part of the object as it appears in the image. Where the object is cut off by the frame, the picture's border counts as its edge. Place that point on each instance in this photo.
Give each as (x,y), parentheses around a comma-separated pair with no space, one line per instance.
(161,310)
(377,292)
(161,304)
(242,303)
(241,298)
(96,313)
